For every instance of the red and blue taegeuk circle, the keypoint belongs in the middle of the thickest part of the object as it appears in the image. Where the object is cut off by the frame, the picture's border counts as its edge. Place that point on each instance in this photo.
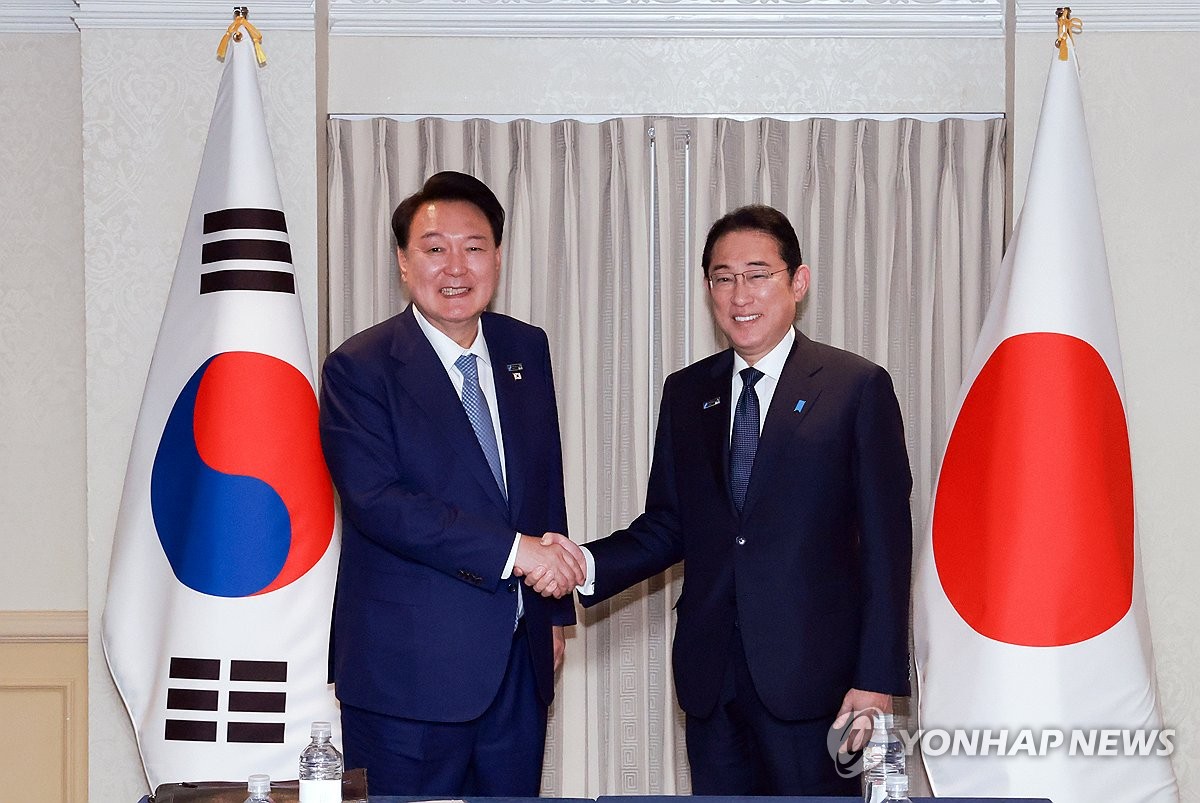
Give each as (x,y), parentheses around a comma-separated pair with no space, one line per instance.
(239,491)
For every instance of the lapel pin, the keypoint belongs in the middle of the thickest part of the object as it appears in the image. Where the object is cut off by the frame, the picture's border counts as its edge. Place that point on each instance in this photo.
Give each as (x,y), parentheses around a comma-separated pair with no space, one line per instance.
(515,368)
(711,403)
(799,405)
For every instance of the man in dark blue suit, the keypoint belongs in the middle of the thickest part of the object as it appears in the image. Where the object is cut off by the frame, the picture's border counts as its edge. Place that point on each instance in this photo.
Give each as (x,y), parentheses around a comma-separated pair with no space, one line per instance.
(780,478)
(440,429)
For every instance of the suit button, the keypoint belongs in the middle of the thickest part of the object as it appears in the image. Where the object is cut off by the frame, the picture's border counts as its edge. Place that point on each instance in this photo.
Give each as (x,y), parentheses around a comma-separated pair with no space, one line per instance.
(740,541)
(512,587)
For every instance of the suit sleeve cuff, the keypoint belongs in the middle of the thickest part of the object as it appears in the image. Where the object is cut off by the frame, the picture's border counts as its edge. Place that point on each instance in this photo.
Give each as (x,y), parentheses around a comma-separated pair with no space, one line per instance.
(589,584)
(512,558)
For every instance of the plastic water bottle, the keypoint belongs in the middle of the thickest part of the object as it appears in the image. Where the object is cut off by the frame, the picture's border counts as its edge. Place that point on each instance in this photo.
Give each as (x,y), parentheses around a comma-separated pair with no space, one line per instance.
(259,787)
(883,758)
(320,768)
(897,789)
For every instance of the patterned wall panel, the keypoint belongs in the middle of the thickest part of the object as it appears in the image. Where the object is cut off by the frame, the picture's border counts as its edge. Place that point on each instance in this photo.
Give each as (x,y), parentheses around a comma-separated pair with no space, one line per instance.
(42,488)
(665,76)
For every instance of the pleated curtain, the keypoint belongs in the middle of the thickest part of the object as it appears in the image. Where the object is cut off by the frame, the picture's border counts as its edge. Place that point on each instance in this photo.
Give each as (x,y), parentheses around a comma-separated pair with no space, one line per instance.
(900,220)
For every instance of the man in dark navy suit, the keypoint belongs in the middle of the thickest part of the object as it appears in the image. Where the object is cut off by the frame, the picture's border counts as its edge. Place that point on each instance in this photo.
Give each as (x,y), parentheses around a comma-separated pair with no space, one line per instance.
(780,478)
(440,429)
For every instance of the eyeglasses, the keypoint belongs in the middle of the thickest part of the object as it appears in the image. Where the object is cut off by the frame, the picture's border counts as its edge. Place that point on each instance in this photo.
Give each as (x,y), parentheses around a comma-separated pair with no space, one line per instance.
(724,281)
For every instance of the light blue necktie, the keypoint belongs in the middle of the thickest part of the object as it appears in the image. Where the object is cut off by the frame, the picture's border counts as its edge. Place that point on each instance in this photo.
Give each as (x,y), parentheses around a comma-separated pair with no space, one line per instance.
(476,405)
(744,445)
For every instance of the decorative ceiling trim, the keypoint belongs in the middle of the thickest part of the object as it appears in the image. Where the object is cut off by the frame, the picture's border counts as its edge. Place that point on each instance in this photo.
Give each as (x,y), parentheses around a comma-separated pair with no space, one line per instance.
(692,18)
(37,16)
(270,15)
(1112,15)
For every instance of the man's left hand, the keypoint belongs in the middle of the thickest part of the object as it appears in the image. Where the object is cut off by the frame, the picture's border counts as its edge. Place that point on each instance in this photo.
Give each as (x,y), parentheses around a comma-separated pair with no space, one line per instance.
(560,645)
(858,708)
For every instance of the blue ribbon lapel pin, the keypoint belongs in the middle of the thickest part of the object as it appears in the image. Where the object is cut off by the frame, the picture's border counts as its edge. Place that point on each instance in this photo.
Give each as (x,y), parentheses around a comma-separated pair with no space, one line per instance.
(800,405)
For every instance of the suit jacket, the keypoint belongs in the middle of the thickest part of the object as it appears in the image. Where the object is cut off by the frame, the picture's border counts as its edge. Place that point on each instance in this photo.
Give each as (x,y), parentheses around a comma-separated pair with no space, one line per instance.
(422,622)
(815,570)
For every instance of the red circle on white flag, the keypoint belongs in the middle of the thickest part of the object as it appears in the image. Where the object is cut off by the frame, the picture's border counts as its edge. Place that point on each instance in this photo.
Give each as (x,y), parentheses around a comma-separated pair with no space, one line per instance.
(1033,516)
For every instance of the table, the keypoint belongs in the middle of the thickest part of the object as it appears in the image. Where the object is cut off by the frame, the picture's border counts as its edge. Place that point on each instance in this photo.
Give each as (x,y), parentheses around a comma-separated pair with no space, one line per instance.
(678,798)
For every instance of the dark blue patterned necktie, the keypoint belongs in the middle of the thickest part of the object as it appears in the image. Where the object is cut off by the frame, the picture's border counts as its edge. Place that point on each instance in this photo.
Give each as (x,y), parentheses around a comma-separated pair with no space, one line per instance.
(475,403)
(745,437)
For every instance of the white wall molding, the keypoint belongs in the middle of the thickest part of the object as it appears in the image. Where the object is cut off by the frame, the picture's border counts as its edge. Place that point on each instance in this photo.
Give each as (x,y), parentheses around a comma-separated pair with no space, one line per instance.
(270,15)
(664,18)
(1111,15)
(37,16)
(588,18)
(41,626)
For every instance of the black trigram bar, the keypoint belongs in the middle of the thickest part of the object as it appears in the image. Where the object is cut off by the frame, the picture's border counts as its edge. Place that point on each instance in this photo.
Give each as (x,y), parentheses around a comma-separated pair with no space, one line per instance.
(244,219)
(257,732)
(196,668)
(264,702)
(273,281)
(263,671)
(221,250)
(192,699)
(186,730)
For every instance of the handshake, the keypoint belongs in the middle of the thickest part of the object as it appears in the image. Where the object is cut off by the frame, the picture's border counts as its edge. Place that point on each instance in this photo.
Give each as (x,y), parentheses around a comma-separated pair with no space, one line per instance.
(551,565)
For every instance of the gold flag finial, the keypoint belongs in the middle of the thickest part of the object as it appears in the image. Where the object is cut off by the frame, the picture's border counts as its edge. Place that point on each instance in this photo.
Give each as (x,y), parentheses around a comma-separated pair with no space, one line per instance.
(1068,26)
(241,19)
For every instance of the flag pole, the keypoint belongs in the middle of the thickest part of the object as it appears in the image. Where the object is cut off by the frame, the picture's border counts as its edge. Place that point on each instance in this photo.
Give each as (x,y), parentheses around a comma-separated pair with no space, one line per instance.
(241,20)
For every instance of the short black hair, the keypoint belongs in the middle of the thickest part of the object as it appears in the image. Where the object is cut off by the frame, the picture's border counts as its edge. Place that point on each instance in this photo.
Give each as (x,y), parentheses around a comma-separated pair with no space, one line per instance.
(449,186)
(757,217)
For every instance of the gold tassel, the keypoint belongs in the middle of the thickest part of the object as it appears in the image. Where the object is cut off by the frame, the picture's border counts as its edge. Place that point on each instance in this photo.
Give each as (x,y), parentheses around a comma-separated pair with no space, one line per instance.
(234,30)
(1068,26)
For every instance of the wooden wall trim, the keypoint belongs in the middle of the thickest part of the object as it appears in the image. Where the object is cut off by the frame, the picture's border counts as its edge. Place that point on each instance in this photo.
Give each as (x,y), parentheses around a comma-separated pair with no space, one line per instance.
(70,704)
(29,671)
(43,626)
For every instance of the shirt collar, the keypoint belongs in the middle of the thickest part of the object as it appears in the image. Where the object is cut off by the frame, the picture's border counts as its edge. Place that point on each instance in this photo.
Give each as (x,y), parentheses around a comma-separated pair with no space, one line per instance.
(772,363)
(446,348)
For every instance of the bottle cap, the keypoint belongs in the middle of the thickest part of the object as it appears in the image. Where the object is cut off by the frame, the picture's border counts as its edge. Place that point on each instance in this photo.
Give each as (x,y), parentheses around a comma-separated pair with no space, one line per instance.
(896,783)
(321,729)
(259,784)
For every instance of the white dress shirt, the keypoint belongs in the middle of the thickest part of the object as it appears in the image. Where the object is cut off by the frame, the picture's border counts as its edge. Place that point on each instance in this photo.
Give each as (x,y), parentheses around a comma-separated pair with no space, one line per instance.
(771,366)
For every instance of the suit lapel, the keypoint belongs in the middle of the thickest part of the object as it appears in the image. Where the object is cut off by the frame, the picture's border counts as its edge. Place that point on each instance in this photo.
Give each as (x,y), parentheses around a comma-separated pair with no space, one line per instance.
(797,384)
(715,409)
(424,378)
(508,406)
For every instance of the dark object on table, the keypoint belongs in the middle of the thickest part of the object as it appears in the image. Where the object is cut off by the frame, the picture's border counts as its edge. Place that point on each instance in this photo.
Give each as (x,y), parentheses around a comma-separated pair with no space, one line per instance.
(354,787)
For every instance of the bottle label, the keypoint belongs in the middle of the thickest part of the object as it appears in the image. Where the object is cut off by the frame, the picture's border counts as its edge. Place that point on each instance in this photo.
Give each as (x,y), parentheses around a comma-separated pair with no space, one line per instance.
(321,791)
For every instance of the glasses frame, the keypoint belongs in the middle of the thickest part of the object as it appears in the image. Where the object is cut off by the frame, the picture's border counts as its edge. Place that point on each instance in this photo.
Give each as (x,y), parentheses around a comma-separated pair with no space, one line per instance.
(742,275)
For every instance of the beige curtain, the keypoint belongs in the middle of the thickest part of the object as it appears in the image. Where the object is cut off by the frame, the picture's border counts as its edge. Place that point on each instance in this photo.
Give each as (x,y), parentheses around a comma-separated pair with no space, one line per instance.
(900,220)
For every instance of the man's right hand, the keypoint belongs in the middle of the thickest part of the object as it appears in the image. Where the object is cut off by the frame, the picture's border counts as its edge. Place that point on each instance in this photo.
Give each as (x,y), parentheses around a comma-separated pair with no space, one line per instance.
(551,565)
